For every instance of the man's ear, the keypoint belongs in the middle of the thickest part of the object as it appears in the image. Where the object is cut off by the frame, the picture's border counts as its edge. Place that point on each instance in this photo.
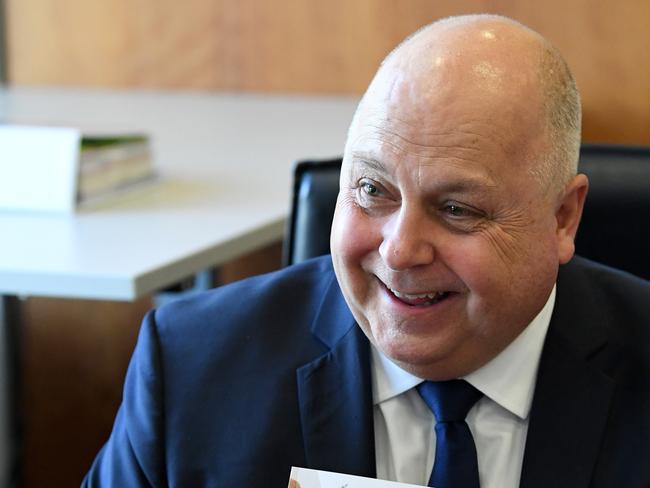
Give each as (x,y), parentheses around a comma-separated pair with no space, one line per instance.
(568,215)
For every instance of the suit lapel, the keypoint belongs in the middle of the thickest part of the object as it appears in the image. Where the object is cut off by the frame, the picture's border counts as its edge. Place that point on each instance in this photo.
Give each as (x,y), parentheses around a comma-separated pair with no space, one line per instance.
(572,397)
(335,394)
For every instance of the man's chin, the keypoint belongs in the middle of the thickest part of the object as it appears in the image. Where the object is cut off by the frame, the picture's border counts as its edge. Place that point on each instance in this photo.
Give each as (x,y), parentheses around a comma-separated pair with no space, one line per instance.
(425,359)
(410,357)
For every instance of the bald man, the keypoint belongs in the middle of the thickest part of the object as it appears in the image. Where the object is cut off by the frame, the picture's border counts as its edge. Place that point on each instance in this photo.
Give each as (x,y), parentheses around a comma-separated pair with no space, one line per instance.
(452,276)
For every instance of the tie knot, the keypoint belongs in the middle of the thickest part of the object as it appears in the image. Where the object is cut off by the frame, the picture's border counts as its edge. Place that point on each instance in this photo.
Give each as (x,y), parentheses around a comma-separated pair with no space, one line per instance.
(450,401)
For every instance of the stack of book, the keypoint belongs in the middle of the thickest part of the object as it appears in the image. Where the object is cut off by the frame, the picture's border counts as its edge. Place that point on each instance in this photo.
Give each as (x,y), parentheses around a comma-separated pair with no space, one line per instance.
(59,169)
(112,163)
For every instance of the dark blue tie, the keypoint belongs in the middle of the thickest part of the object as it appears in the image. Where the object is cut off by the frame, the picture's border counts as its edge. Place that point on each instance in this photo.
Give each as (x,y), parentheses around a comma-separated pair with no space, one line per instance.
(455,465)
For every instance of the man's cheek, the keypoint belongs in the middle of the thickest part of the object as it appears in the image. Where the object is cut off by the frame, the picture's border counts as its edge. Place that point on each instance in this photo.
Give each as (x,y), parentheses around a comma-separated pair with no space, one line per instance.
(358,246)
(353,239)
(478,267)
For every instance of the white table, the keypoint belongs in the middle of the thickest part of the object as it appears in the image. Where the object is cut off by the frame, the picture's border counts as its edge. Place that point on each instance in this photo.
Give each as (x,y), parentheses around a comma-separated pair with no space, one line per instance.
(224,163)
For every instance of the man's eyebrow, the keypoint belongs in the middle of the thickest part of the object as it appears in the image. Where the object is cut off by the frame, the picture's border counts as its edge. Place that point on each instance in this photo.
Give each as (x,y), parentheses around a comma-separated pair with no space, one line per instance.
(467,184)
(361,159)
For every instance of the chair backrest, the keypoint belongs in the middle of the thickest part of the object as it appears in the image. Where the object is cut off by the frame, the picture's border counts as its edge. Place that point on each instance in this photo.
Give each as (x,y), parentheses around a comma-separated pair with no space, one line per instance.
(615,227)
(315,188)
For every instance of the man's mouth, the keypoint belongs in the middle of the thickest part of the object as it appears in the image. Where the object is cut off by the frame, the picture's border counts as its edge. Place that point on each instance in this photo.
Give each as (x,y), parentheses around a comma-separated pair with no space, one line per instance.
(419,299)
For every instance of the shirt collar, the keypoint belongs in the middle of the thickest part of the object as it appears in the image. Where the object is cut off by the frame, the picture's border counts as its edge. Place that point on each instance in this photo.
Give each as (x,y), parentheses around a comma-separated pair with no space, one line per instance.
(388,379)
(508,379)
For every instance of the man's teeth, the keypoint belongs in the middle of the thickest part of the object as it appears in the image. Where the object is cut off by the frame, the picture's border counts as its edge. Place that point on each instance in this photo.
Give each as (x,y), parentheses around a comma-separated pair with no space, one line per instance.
(408,296)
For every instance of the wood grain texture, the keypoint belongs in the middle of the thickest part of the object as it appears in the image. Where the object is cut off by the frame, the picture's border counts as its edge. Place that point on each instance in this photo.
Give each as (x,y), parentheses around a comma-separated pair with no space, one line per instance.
(317,47)
(74,358)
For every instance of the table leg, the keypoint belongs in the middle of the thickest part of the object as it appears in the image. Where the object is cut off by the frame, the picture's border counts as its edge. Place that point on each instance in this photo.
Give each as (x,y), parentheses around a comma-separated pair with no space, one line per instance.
(201,281)
(10,417)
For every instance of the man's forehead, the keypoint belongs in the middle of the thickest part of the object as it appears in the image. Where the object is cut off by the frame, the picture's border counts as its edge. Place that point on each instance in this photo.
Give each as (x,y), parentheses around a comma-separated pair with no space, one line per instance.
(482,150)
(438,131)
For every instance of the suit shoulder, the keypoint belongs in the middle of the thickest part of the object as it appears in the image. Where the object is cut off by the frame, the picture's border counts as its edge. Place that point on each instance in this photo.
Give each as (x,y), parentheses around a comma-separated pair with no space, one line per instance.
(608,283)
(613,299)
(291,294)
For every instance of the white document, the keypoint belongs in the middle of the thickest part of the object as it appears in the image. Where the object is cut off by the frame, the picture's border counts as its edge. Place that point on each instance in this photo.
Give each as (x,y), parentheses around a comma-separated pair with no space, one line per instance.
(38,168)
(310,478)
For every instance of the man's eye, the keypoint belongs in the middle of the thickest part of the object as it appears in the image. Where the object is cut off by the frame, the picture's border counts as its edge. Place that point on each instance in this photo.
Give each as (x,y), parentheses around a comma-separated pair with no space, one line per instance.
(371,194)
(455,210)
(369,188)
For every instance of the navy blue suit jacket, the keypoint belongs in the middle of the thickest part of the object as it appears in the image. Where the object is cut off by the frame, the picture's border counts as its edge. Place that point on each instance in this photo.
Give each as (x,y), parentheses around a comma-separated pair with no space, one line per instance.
(234,386)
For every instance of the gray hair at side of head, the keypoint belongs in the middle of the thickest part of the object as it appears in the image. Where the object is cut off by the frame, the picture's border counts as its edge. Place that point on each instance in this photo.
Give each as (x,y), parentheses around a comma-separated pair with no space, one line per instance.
(561,107)
(563,114)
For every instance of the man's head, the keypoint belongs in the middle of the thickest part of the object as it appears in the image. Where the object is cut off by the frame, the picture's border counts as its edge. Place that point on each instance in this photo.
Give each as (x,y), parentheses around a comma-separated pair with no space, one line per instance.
(458,196)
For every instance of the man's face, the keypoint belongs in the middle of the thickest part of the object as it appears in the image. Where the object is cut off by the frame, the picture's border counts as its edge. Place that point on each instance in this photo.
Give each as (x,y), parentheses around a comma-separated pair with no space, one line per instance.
(443,243)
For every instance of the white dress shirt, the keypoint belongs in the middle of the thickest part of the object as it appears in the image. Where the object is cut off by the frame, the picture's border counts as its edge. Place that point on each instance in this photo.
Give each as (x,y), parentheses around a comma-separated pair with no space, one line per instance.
(404,426)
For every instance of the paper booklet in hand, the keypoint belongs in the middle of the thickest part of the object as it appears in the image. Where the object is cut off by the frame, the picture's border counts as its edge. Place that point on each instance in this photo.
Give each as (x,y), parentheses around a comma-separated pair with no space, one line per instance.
(311,478)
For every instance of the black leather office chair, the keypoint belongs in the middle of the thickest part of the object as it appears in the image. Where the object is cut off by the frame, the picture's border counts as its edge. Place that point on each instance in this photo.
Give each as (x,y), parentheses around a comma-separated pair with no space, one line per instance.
(315,188)
(614,229)
(615,226)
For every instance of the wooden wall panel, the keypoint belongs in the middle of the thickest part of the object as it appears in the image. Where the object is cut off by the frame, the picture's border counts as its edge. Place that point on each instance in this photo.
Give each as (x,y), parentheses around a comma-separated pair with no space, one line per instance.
(315,46)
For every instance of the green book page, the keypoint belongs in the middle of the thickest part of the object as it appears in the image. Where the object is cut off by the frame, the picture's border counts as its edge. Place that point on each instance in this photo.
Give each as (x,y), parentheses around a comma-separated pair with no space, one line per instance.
(95,142)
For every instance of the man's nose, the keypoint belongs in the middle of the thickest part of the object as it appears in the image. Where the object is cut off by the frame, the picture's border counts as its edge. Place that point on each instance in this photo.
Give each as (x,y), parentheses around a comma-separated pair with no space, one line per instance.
(407,240)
